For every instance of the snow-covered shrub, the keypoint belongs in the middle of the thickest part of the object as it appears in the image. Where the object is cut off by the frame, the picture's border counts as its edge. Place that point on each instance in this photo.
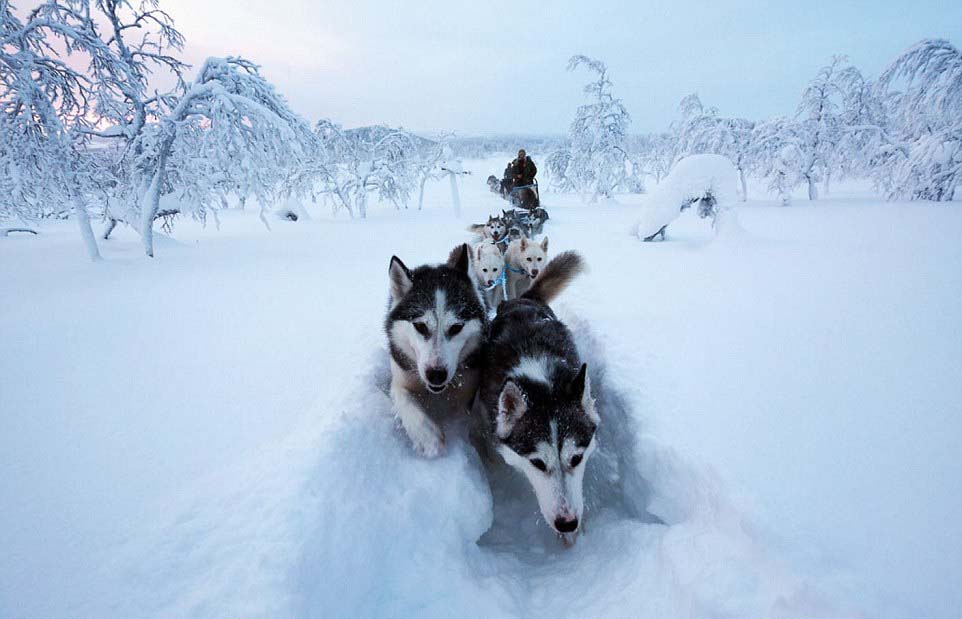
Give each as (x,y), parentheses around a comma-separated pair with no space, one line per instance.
(706,183)
(390,163)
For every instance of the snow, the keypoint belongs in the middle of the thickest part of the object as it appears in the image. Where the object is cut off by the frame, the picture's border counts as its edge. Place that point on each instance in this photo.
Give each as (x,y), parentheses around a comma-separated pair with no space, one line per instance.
(207,434)
(690,179)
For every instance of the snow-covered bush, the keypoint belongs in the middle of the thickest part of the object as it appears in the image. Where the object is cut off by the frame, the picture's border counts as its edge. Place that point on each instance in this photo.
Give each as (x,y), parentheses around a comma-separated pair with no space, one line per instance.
(706,183)
(391,163)
(922,88)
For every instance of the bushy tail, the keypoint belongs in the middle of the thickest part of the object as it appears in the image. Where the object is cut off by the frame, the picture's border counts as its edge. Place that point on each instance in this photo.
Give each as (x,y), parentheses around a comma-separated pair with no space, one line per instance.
(555,277)
(476,228)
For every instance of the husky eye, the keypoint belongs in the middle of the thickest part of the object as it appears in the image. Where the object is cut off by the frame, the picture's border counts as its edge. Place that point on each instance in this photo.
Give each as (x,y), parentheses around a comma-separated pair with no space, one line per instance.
(540,259)
(539,464)
(495,269)
(575,460)
(422,329)
(529,259)
(485,270)
(455,329)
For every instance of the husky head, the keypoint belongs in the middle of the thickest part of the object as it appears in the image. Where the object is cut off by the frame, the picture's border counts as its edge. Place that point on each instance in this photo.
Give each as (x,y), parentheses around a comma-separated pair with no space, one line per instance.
(436,318)
(545,428)
(488,264)
(533,256)
(495,228)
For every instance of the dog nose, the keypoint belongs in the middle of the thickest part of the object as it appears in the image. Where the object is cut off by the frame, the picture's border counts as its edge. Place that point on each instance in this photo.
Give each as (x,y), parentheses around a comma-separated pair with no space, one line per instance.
(490,282)
(437,376)
(565,525)
(535,272)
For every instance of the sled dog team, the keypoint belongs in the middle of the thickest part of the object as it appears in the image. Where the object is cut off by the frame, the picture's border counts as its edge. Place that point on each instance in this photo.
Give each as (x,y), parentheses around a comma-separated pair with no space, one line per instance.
(519,374)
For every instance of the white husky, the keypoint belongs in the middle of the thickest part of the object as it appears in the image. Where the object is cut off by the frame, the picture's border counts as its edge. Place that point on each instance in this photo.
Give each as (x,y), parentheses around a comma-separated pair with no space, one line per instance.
(490,273)
(524,260)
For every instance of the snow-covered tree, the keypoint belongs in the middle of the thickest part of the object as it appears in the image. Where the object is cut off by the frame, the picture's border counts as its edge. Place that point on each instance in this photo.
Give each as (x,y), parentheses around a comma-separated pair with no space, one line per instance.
(229,122)
(777,155)
(141,40)
(47,103)
(922,88)
(427,163)
(599,163)
(703,131)
(820,122)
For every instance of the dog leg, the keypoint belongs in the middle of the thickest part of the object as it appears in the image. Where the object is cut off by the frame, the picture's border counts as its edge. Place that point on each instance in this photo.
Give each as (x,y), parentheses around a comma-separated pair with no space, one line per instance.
(427,437)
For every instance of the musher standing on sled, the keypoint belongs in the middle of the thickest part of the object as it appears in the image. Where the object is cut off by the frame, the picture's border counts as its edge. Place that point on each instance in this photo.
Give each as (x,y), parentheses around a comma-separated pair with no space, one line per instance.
(519,173)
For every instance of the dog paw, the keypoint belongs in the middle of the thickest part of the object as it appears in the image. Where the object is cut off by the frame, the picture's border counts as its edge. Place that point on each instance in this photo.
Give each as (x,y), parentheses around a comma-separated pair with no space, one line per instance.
(427,437)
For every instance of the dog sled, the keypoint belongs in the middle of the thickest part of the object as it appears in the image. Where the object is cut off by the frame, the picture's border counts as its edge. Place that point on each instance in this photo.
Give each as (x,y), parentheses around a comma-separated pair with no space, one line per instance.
(525,196)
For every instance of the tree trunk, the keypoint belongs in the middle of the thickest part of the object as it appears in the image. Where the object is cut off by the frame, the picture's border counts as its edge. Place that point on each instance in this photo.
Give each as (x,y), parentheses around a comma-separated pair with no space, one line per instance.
(828,181)
(812,188)
(150,203)
(455,196)
(741,176)
(83,222)
(424,179)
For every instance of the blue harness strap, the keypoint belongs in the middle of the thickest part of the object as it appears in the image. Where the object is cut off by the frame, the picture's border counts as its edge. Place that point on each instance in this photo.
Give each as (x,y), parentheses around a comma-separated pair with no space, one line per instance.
(501,281)
(514,270)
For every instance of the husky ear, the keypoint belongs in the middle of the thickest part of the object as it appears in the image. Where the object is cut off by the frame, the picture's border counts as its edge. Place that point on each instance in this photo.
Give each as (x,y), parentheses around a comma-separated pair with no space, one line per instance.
(511,407)
(524,243)
(544,244)
(581,390)
(401,279)
(459,258)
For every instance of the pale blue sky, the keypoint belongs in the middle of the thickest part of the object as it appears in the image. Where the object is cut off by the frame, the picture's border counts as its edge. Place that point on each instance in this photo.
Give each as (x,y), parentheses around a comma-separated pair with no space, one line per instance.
(499,67)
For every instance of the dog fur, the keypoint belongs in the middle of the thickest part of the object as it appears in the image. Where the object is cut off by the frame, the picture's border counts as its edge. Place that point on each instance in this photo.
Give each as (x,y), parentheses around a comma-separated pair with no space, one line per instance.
(435,326)
(524,260)
(489,272)
(535,397)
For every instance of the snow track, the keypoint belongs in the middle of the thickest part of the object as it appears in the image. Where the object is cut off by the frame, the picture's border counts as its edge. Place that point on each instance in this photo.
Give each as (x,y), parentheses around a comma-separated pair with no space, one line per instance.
(342,519)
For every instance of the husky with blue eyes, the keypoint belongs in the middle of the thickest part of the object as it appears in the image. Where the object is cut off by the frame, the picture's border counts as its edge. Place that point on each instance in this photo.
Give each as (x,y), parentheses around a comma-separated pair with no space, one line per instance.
(536,397)
(435,325)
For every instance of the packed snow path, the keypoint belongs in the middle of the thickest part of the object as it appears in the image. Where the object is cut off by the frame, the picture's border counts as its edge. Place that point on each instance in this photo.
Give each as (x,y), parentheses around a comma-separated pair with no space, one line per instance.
(206,434)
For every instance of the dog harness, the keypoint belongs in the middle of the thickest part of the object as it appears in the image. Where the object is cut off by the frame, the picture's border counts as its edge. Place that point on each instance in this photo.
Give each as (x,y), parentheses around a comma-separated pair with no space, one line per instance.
(502,281)
(514,270)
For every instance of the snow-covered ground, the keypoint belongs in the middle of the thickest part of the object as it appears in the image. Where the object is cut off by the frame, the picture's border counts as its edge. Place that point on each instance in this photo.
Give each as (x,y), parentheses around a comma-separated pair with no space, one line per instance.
(206,434)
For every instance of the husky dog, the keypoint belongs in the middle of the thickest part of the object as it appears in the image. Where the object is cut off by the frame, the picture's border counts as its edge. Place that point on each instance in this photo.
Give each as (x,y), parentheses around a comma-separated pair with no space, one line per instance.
(435,325)
(490,273)
(494,184)
(494,230)
(527,223)
(523,261)
(536,397)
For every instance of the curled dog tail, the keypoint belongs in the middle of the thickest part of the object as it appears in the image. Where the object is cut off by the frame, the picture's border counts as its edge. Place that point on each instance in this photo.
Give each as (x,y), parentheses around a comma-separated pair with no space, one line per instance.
(476,228)
(555,277)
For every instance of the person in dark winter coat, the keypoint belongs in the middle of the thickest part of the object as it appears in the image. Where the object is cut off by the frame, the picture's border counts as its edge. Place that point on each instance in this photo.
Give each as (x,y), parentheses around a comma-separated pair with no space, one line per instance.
(522,170)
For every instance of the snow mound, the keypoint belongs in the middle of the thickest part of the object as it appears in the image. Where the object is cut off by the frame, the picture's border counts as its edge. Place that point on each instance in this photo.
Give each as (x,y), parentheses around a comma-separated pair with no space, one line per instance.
(343,520)
(690,179)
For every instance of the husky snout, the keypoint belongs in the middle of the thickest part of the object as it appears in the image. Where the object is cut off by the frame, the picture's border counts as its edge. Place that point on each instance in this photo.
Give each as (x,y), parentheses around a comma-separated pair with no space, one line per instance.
(566,524)
(437,378)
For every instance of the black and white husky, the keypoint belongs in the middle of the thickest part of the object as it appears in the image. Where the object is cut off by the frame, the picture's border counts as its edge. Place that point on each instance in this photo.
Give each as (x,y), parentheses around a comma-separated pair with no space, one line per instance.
(435,325)
(536,397)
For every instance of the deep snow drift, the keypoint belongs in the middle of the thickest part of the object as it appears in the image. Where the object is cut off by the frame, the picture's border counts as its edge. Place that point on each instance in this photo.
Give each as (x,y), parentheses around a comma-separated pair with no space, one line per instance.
(207,434)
